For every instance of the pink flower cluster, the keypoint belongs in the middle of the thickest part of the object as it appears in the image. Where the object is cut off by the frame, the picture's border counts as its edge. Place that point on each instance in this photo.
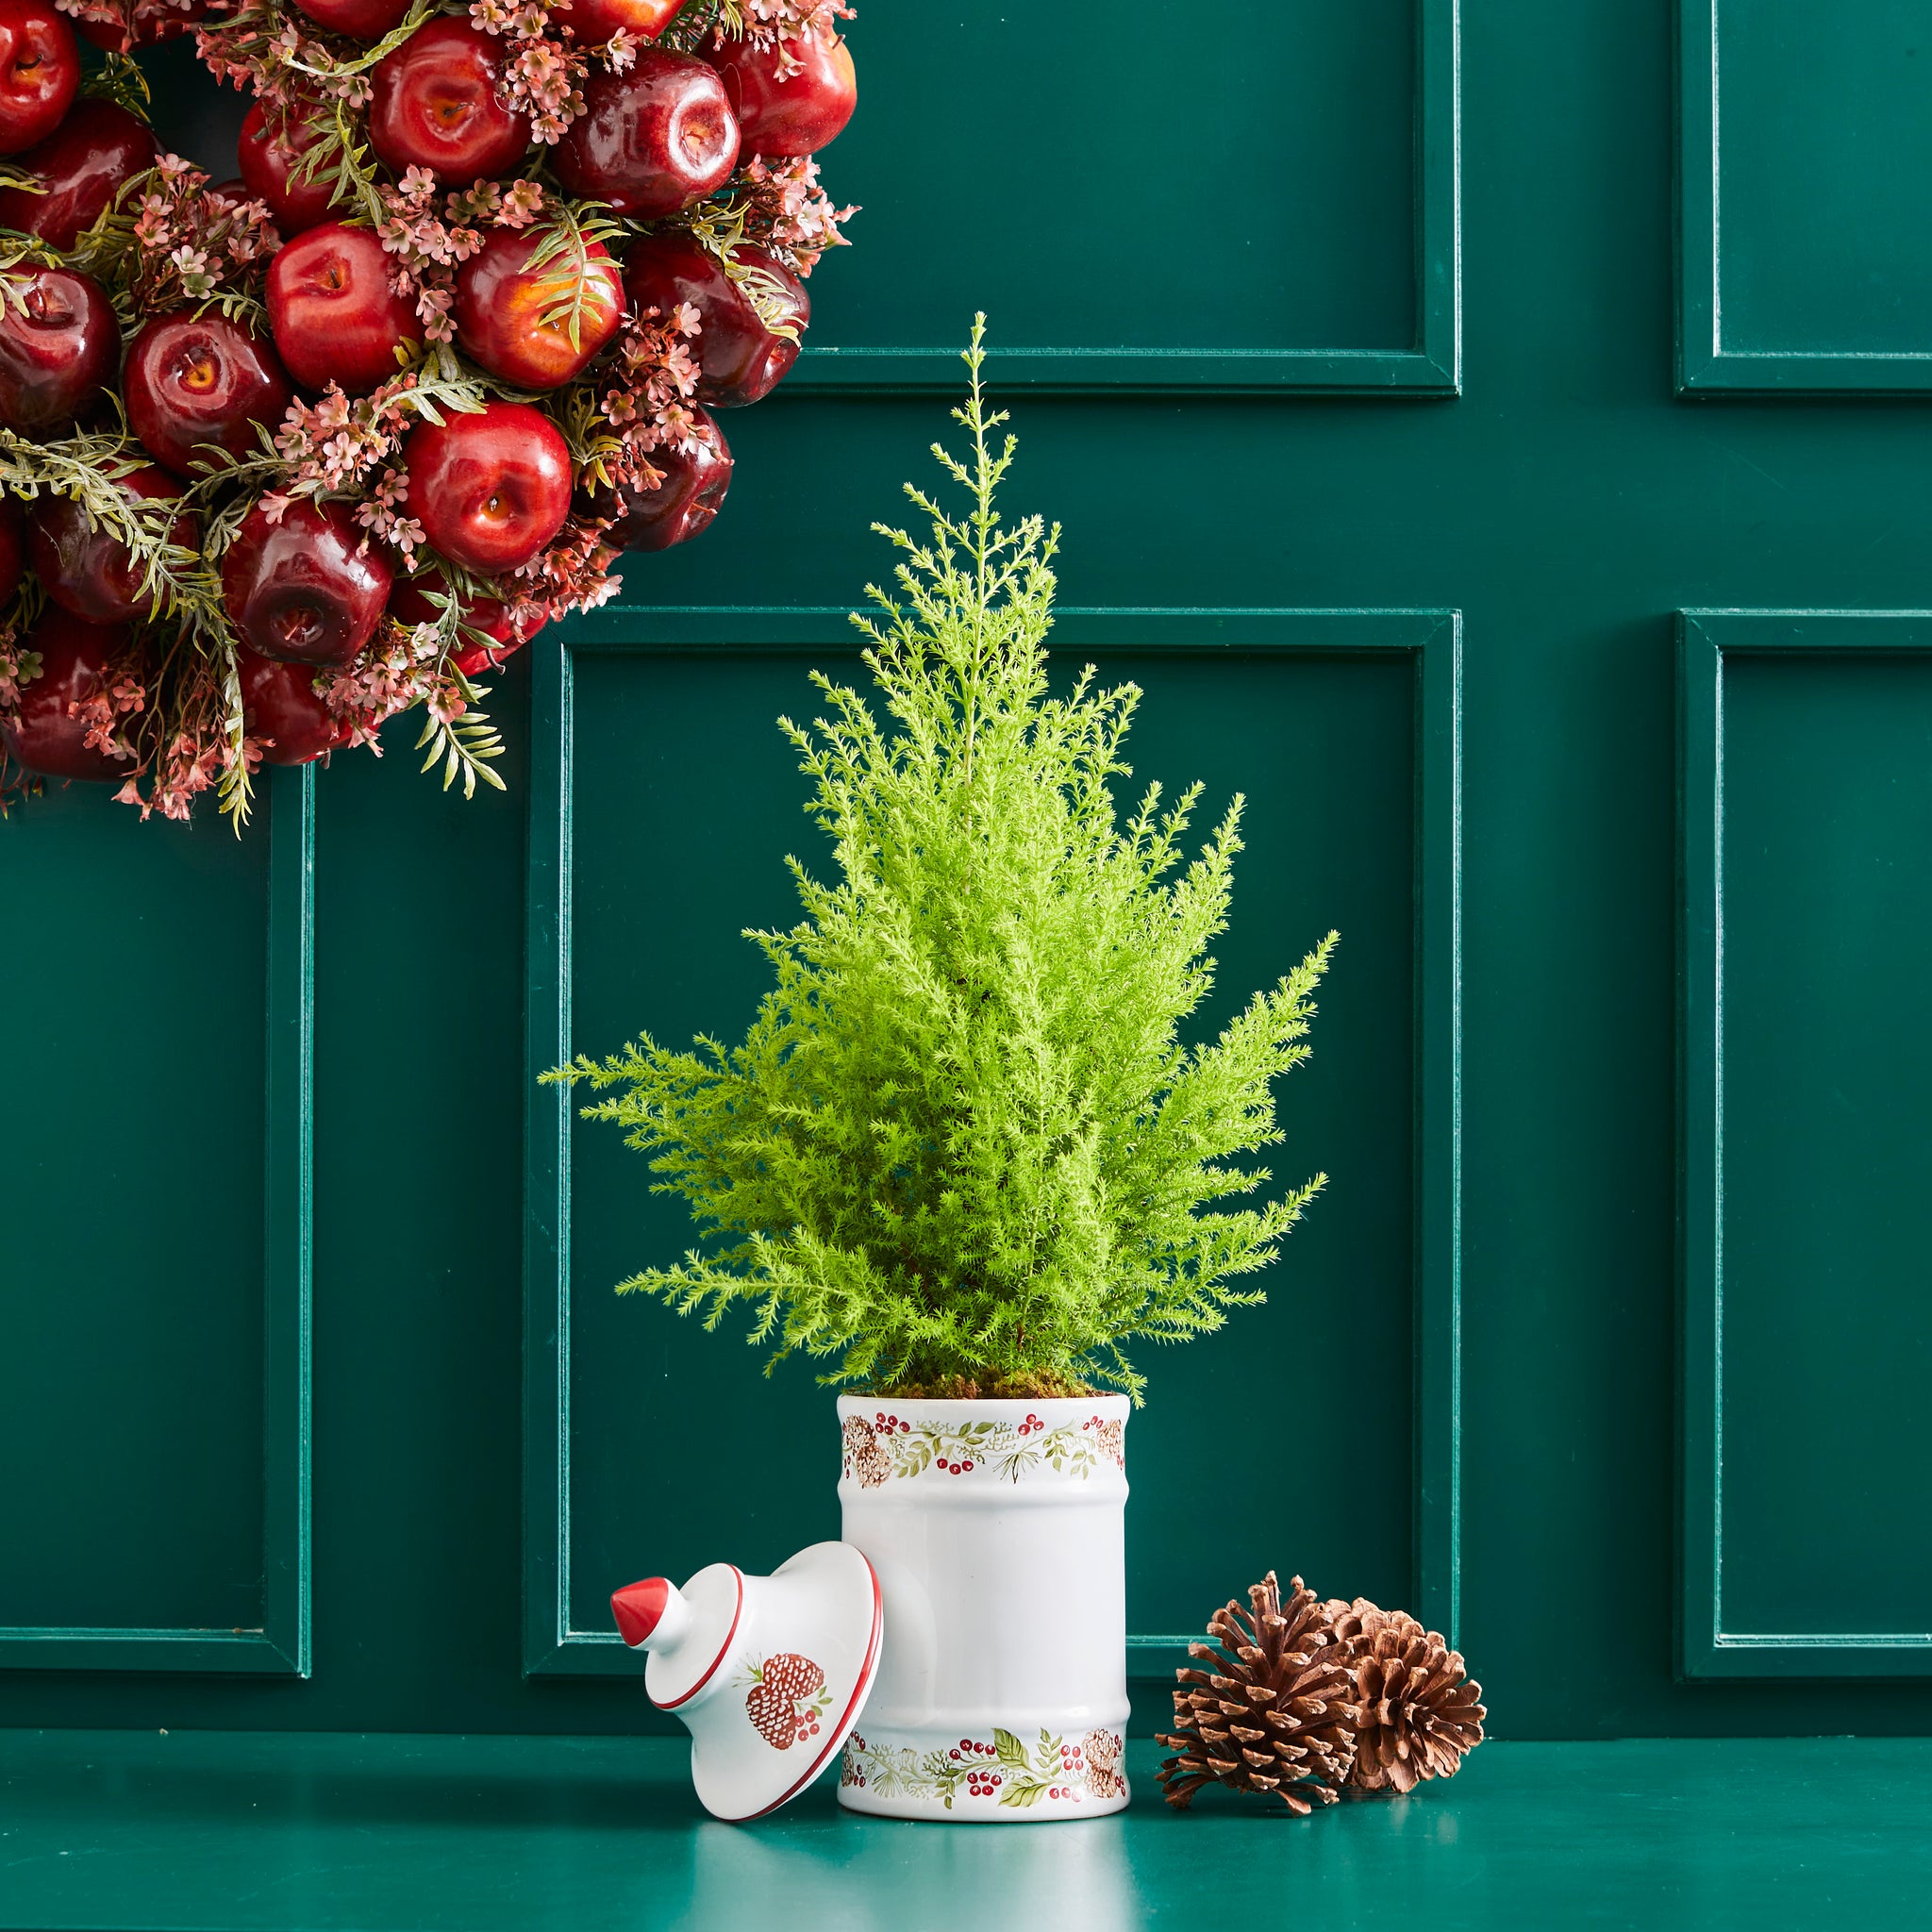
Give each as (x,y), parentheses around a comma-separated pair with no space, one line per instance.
(343,446)
(544,74)
(400,669)
(192,763)
(136,21)
(428,242)
(648,395)
(787,211)
(192,240)
(772,23)
(175,738)
(266,52)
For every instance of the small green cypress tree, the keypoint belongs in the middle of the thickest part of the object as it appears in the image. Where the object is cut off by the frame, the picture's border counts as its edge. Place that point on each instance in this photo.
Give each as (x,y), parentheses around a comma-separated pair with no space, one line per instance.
(963,1143)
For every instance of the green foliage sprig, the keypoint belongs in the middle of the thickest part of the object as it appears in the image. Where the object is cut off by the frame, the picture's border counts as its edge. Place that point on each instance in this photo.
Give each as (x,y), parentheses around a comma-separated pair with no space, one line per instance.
(963,1137)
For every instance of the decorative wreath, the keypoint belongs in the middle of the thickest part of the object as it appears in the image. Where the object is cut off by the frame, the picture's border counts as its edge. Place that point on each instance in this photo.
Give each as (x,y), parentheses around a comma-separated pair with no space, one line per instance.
(283,456)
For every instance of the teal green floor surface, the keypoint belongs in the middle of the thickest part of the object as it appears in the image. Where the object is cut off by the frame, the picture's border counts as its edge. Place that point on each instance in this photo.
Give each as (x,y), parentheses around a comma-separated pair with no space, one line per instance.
(117,1829)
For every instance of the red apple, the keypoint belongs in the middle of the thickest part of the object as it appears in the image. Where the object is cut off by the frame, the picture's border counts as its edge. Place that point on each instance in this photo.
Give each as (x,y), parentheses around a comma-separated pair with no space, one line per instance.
(58,343)
(188,383)
(501,301)
(490,488)
(796,114)
(74,658)
(81,164)
(281,710)
(503,635)
(304,590)
(12,547)
(39,71)
(651,141)
(267,152)
(740,359)
(595,21)
(87,569)
(334,317)
(692,494)
(435,106)
(362,20)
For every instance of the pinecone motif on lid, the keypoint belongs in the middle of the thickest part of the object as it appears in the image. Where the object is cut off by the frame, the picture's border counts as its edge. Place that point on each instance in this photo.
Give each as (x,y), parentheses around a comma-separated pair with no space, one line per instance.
(1274,1712)
(787,1700)
(1417,1713)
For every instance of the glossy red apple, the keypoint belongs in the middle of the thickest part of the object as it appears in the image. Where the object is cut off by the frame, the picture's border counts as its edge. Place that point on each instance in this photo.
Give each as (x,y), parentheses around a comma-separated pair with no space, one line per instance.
(191,382)
(362,20)
(503,635)
(595,21)
(501,302)
(267,153)
(793,114)
(80,164)
(12,547)
(682,505)
(58,343)
(87,569)
(650,141)
(739,358)
(435,106)
(334,317)
(303,589)
(39,71)
(74,658)
(489,489)
(281,711)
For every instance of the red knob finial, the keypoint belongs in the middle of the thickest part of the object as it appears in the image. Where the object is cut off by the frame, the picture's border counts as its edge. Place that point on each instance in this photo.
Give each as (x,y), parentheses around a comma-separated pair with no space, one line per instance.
(638,1607)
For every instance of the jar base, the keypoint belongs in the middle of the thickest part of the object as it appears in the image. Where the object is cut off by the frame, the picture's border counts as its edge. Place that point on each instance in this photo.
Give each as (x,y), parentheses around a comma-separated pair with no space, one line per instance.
(993,1776)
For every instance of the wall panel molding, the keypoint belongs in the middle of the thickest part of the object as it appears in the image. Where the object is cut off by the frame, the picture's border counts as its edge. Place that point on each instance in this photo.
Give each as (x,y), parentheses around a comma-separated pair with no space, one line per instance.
(1703,363)
(1810,1646)
(280,1646)
(1431,641)
(1430,366)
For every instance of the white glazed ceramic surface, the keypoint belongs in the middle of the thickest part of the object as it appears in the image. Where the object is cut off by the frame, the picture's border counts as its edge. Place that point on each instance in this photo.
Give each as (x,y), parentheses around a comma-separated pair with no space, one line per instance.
(767,1672)
(997,1533)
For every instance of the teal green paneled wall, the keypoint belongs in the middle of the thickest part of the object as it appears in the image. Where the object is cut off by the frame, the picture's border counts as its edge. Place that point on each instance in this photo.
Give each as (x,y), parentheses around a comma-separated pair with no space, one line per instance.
(1569,504)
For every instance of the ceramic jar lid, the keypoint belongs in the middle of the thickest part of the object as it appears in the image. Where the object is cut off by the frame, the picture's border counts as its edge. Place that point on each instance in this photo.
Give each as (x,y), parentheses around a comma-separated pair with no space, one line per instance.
(768,1674)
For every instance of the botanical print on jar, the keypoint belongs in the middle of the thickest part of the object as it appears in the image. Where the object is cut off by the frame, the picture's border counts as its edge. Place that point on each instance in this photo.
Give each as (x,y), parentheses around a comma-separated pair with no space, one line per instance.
(787,1699)
(1003,1772)
(889,1445)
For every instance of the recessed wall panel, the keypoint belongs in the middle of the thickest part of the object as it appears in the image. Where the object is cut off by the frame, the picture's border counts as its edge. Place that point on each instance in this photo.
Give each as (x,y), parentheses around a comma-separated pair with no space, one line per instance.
(683,802)
(1809,1329)
(1141,203)
(1806,179)
(154,1353)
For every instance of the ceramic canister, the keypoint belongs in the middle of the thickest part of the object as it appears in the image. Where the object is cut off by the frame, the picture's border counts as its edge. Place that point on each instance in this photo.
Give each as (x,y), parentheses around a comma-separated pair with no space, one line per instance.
(997,1533)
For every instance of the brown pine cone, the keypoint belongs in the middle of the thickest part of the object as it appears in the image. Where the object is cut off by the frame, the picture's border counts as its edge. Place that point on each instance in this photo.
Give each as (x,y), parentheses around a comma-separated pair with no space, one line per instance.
(1274,1710)
(1416,1713)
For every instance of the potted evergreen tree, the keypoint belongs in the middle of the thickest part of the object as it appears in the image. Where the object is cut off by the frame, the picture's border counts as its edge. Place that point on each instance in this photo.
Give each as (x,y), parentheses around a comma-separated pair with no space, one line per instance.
(966,1156)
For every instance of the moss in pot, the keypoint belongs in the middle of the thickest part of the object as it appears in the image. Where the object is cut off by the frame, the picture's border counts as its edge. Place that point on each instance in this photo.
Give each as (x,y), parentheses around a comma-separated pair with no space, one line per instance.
(965,1158)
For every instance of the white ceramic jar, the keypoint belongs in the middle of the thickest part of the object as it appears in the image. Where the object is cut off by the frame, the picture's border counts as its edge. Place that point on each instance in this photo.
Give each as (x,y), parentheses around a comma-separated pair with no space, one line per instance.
(997,1531)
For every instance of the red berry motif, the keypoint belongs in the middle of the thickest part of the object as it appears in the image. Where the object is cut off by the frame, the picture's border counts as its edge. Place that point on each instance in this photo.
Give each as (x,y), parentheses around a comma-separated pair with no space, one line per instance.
(783,1703)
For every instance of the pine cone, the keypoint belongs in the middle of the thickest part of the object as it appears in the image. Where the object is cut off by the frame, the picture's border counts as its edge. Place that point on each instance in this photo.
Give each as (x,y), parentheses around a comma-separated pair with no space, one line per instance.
(1273,1714)
(1415,1712)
